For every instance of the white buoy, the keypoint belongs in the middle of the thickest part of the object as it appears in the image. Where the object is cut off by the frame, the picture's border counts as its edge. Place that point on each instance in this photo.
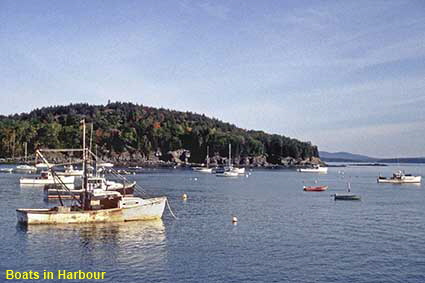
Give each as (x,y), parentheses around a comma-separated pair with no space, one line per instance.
(234,219)
(184,197)
(196,179)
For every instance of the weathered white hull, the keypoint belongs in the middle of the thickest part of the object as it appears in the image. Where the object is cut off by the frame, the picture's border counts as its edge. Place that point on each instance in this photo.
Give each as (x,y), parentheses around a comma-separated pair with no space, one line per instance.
(403,180)
(323,170)
(149,209)
(50,181)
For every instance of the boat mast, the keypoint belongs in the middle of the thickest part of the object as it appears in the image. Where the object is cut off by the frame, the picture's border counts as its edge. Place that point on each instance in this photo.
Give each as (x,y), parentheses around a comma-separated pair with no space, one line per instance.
(230,155)
(86,199)
(208,156)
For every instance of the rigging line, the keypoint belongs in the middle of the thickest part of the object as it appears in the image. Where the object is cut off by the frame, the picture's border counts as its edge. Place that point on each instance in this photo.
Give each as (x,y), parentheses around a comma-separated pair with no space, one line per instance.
(137,187)
(169,208)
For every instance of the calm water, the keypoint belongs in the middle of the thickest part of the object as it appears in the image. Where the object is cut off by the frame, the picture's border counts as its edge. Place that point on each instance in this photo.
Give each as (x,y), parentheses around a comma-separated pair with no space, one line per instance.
(283,234)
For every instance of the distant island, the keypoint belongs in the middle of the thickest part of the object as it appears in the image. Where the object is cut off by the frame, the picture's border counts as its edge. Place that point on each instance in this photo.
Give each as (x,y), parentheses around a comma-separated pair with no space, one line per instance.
(128,133)
(351,157)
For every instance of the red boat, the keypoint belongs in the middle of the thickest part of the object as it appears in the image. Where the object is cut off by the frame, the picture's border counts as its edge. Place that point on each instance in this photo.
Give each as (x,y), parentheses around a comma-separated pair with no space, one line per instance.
(315,188)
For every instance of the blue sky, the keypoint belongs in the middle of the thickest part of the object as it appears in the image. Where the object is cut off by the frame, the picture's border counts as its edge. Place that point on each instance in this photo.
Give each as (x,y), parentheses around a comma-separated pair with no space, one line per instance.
(346,75)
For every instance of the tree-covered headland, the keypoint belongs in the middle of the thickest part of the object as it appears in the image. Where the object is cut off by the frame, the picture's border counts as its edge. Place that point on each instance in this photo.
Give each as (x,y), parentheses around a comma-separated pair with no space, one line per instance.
(131,132)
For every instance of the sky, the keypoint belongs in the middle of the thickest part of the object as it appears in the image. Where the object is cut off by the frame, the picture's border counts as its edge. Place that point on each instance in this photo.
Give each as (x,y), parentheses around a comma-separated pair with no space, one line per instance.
(345,75)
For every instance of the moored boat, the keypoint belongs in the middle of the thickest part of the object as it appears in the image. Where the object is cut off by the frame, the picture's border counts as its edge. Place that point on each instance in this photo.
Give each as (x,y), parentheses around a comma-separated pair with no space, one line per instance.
(314,169)
(315,188)
(400,177)
(25,169)
(202,169)
(346,197)
(95,204)
(47,178)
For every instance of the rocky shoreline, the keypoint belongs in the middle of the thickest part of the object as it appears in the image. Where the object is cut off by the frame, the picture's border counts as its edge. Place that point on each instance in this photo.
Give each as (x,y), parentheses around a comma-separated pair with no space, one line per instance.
(177,158)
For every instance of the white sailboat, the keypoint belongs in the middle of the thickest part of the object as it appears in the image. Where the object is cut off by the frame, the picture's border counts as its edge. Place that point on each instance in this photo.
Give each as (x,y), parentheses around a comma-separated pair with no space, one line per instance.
(95,205)
(204,169)
(228,171)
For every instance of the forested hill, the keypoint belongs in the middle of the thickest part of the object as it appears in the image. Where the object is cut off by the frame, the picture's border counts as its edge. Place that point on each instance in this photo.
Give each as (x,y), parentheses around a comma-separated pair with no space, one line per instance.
(135,130)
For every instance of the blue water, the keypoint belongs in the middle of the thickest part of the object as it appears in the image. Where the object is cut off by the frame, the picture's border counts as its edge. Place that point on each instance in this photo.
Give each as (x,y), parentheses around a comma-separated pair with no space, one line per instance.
(283,234)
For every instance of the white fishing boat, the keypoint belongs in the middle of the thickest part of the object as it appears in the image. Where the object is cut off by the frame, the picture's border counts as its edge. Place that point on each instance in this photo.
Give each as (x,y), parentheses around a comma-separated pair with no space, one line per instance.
(314,169)
(399,177)
(25,169)
(95,205)
(47,178)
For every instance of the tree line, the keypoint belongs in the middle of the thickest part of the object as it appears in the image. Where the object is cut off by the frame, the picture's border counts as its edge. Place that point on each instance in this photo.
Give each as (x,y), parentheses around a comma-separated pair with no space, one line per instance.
(132,128)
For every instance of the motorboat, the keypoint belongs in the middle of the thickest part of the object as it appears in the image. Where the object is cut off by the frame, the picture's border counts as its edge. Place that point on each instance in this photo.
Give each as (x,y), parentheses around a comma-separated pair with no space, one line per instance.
(399,177)
(70,171)
(314,169)
(6,170)
(202,169)
(46,178)
(25,169)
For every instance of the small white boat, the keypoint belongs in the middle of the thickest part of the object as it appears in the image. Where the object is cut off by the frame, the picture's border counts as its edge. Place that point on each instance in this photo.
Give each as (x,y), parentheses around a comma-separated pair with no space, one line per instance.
(70,171)
(46,178)
(240,171)
(41,166)
(314,169)
(25,169)
(227,174)
(400,177)
(202,169)
(105,164)
(6,170)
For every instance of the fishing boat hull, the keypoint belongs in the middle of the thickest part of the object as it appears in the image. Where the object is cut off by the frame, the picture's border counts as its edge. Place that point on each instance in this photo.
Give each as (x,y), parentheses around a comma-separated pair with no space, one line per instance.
(346,197)
(147,209)
(402,180)
(315,188)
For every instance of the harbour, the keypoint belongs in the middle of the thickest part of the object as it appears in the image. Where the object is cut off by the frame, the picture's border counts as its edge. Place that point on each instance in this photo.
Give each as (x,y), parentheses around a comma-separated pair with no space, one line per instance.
(280,230)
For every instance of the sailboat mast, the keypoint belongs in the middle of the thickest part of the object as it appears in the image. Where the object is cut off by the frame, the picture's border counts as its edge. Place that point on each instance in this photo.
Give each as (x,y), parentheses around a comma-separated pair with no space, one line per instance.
(208,156)
(230,155)
(86,199)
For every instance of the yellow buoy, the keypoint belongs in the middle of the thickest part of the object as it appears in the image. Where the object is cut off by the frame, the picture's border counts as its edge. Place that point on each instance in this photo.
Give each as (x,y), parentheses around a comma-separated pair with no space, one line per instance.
(184,197)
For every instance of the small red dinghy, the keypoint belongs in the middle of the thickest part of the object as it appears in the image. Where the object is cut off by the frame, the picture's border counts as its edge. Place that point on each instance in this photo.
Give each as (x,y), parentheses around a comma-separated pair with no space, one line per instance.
(315,188)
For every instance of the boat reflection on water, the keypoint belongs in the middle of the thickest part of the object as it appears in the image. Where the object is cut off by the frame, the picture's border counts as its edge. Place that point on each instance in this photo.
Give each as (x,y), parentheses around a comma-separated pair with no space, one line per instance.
(139,244)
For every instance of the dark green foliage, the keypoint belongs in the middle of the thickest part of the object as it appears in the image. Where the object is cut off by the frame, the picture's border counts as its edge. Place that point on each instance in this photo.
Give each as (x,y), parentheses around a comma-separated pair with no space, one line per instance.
(126,127)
